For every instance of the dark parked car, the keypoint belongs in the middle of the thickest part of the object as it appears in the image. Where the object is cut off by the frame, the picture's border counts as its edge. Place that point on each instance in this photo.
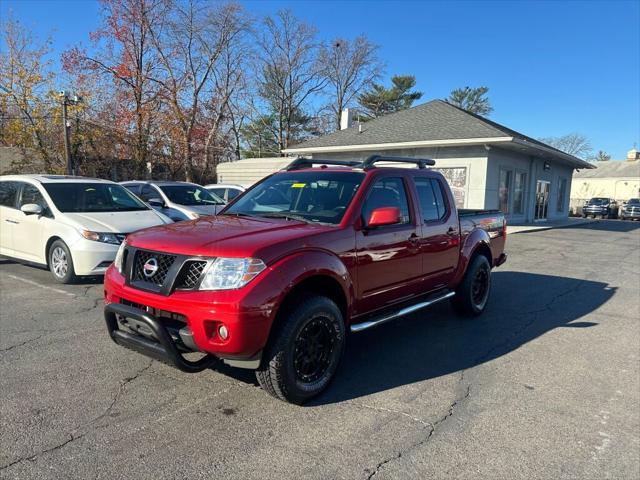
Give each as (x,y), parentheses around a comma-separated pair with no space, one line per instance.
(600,207)
(631,209)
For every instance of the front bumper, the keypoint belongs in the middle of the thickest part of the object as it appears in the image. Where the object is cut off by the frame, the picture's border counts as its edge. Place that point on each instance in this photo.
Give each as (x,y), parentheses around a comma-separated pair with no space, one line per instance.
(92,258)
(247,314)
(164,348)
(595,211)
(631,214)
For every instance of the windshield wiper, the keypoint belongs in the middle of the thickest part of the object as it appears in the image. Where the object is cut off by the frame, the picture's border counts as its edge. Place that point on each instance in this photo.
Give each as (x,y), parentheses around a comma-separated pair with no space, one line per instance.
(237,214)
(287,216)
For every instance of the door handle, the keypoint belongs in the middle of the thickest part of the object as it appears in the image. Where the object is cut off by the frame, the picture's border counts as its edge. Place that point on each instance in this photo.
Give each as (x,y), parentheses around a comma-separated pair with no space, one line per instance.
(11,221)
(452,231)
(414,238)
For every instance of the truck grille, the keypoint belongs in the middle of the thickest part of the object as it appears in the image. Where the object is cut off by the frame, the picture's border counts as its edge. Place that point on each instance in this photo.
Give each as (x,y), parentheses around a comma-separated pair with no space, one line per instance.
(190,274)
(158,266)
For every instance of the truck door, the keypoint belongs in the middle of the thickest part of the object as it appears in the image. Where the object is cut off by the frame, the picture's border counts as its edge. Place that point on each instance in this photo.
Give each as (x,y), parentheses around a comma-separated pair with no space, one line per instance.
(388,261)
(440,239)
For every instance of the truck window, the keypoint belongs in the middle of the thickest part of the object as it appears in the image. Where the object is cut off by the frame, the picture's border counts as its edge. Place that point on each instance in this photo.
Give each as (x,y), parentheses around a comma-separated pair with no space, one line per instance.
(387,192)
(440,201)
(428,199)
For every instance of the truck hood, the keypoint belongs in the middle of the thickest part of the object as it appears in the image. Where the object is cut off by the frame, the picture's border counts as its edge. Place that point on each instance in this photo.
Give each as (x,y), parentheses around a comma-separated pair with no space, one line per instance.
(224,235)
(115,222)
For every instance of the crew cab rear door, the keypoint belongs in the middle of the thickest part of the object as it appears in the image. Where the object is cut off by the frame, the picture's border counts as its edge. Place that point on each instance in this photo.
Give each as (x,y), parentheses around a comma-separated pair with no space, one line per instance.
(440,237)
(388,262)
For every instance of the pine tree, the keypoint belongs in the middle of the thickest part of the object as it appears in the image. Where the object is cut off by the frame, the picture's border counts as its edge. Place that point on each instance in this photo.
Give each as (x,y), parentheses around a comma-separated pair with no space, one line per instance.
(381,100)
(471,99)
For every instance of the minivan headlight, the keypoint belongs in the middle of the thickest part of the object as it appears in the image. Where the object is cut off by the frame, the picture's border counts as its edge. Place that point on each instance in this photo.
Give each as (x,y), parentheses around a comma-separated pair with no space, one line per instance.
(231,273)
(118,261)
(104,237)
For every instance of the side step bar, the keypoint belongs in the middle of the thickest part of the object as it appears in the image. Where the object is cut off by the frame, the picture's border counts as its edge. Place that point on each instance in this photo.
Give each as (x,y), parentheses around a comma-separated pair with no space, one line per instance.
(358,327)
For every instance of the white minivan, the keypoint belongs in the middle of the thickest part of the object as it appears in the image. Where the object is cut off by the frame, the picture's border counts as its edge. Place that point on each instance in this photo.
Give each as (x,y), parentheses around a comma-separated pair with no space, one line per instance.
(73,225)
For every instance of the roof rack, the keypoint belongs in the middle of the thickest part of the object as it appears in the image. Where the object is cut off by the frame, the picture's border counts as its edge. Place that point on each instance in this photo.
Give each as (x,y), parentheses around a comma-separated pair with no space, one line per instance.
(302,162)
(421,162)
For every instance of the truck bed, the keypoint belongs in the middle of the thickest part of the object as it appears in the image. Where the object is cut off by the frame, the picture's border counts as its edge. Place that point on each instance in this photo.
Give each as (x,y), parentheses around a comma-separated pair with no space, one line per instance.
(491,221)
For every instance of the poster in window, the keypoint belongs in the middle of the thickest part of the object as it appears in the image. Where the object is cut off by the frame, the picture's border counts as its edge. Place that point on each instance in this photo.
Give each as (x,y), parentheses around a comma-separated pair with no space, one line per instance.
(457,179)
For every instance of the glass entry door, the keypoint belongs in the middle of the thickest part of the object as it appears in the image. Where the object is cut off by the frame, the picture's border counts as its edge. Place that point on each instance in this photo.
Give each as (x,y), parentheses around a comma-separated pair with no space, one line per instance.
(542,200)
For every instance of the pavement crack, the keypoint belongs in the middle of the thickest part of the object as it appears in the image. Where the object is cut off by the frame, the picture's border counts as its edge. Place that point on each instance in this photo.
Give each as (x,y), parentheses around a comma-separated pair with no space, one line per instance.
(71,438)
(396,412)
(120,391)
(21,344)
(432,427)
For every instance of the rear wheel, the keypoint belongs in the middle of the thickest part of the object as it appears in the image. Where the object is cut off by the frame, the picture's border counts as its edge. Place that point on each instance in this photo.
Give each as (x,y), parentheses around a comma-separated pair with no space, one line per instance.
(61,263)
(472,294)
(304,352)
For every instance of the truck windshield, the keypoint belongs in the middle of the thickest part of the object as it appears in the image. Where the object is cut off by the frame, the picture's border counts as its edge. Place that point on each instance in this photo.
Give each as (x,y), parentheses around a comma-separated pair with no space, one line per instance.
(319,197)
(634,201)
(598,201)
(92,197)
(190,195)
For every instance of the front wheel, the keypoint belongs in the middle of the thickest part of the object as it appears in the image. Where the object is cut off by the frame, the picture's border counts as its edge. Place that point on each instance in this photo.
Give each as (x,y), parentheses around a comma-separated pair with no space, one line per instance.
(61,263)
(472,294)
(304,351)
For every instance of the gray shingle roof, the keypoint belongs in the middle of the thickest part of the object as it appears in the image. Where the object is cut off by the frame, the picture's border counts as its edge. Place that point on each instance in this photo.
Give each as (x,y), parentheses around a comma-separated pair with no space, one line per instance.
(434,120)
(612,169)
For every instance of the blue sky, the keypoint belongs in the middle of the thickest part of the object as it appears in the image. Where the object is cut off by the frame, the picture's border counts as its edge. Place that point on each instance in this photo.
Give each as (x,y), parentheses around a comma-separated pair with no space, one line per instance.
(552,67)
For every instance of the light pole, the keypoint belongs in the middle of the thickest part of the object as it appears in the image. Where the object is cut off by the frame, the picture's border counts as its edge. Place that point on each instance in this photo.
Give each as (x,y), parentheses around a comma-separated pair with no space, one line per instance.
(66,101)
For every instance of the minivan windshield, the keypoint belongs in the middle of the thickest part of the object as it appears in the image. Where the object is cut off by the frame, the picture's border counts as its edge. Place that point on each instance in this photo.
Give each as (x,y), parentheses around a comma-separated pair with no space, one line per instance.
(190,195)
(318,197)
(75,197)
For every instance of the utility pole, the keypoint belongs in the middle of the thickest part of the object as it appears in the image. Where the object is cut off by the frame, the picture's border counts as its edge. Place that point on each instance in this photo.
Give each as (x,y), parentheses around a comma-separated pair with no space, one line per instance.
(66,101)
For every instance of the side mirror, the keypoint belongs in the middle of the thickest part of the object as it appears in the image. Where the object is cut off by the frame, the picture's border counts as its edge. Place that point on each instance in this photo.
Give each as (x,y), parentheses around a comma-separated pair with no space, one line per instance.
(383,216)
(156,202)
(31,209)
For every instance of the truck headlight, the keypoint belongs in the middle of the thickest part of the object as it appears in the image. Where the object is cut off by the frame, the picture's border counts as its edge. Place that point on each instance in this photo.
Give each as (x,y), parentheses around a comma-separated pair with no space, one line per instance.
(104,237)
(118,261)
(231,273)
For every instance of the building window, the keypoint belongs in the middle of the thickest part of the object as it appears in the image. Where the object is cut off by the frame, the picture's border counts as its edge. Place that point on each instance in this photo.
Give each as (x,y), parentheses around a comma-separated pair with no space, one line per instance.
(503,190)
(562,193)
(519,185)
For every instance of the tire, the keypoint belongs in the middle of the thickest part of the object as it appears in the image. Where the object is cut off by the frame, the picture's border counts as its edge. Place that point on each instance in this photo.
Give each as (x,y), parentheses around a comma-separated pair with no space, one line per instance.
(471,297)
(287,370)
(61,263)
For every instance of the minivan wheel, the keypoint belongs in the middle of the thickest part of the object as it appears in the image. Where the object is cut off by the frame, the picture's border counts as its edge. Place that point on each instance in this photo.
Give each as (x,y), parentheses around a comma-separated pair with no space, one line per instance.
(304,352)
(472,294)
(61,263)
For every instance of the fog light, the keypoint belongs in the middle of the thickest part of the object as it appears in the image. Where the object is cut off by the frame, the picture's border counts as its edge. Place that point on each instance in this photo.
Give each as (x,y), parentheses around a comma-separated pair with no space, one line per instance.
(223,332)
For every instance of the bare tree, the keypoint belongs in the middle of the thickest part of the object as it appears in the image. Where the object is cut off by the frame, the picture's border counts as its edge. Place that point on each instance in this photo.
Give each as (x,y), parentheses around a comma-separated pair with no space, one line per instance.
(194,39)
(125,53)
(25,83)
(288,74)
(349,67)
(572,143)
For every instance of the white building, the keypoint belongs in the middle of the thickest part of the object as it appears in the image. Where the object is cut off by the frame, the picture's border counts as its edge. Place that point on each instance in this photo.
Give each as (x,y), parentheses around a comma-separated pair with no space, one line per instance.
(619,180)
(488,165)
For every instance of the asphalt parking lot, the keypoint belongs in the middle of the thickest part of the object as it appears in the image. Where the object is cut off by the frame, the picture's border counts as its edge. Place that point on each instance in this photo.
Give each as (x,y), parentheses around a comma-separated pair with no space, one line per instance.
(546,384)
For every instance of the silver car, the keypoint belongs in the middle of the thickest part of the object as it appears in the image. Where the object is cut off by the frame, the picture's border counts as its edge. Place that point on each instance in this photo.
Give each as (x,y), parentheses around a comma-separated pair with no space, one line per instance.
(177,200)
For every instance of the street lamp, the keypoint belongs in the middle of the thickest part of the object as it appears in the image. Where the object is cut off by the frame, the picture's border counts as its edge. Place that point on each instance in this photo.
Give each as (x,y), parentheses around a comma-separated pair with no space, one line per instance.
(67,100)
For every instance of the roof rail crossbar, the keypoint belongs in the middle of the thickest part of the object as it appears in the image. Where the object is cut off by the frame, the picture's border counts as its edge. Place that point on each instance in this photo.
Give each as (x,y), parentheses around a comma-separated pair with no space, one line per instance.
(421,162)
(302,162)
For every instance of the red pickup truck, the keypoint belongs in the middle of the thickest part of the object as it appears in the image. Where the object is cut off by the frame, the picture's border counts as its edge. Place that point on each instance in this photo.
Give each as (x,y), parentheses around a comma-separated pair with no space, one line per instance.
(276,280)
